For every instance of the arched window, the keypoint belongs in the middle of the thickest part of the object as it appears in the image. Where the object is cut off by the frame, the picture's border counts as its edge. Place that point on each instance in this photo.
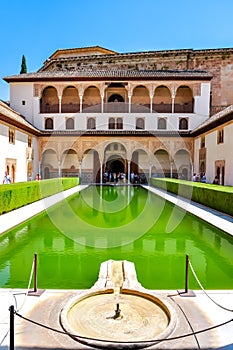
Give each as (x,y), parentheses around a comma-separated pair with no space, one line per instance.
(70,123)
(119,123)
(111,123)
(183,124)
(49,123)
(162,123)
(140,123)
(91,123)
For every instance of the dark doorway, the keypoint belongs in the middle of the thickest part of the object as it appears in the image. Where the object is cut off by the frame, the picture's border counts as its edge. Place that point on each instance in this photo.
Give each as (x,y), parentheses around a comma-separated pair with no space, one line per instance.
(115,166)
(115,98)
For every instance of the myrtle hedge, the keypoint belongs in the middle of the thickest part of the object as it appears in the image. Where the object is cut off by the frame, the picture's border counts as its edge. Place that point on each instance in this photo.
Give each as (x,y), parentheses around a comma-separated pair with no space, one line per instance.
(16,195)
(214,196)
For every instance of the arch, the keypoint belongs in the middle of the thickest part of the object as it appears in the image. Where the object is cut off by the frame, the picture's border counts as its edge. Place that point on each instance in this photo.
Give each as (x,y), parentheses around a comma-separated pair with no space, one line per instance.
(90,166)
(140,97)
(162,100)
(140,123)
(115,166)
(115,160)
(49,123)
(70,100)
(69,163)
(161,164)
(183,124)
(182,163)
(91,124)
(49,164)
(162,124)
(70,123)
(183,100)
(91,99)
(49,100)
(139,166)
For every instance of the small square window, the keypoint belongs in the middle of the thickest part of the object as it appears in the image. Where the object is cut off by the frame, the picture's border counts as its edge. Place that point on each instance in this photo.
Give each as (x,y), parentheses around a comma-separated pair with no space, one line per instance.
(23,102)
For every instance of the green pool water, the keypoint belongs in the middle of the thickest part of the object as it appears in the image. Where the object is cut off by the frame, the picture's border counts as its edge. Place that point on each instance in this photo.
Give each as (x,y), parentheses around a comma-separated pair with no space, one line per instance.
(121,223)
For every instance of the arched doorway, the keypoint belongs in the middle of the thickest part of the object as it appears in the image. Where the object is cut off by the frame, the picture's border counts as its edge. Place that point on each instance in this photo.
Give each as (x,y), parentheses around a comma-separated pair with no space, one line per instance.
(115,164)
(161,164)
(49,164)
(69,163)
(91,167)
(115,161)
(182,163)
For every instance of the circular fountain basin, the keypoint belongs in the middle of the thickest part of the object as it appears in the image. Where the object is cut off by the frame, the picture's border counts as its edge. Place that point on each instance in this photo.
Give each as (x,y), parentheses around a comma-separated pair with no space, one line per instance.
(143,321)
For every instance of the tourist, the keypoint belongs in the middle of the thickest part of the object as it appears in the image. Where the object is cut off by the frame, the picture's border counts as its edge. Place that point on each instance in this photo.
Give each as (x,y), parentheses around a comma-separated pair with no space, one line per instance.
(216,180)
(6,178)
(132,177)
(203,178)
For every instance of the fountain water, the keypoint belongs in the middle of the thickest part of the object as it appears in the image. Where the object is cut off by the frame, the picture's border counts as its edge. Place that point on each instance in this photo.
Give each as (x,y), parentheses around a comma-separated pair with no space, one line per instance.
(117,312)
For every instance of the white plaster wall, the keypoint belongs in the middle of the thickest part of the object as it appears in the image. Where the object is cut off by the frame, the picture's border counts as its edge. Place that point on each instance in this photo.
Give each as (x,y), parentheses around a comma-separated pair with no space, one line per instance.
(129,120)
(36,165)
(19,152)
(4,144)
(22,92)
(201,105)
(15,151)
(222,151)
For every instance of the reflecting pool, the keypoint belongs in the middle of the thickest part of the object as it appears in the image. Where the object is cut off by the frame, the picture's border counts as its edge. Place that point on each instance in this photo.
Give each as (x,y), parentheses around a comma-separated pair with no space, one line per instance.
(121,223)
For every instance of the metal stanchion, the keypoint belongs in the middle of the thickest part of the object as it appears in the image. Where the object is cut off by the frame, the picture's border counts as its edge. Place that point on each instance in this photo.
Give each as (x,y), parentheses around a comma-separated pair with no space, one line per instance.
(35,272)
(186,292)
(12,331)
(35,291)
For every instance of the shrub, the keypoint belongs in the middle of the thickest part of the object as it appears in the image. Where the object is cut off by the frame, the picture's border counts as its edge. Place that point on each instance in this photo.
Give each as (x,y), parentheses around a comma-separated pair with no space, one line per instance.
(214,196)
(18,194)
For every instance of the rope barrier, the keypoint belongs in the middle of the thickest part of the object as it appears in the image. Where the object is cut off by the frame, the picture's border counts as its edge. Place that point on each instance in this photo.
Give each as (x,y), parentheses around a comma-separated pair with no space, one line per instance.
(121,342)
(27,290)
(200,285)
(14,296)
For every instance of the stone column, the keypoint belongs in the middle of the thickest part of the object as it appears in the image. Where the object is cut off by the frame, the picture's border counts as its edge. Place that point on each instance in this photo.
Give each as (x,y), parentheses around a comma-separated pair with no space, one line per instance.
(151,104)
(173,89)
(101,173)
(150,168)
(171,169)
(102,103)
(80,172)
(59,101)
(81,103)
(59,169)
(130,98)
(128,172)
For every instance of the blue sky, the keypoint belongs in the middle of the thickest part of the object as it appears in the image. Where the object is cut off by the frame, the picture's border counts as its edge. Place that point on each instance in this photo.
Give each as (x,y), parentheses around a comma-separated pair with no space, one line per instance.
(38,28)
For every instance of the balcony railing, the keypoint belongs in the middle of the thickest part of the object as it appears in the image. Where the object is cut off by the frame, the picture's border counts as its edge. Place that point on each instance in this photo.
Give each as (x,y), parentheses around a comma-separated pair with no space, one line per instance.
(117,107)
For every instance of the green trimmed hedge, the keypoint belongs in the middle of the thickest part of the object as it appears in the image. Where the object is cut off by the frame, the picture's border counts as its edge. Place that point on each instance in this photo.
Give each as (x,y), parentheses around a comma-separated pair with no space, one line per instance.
(214,196)
(18,194)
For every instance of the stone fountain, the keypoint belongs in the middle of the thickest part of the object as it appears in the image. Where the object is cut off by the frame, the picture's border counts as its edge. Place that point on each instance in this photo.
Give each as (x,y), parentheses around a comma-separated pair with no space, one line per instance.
(117,312)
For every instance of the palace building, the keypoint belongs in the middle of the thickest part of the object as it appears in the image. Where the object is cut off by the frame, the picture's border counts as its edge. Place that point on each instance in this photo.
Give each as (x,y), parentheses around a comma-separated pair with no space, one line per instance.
(91,112)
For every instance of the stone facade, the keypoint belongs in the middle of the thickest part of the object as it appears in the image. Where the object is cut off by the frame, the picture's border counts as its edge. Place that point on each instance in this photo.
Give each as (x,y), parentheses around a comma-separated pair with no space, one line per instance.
(98,111)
